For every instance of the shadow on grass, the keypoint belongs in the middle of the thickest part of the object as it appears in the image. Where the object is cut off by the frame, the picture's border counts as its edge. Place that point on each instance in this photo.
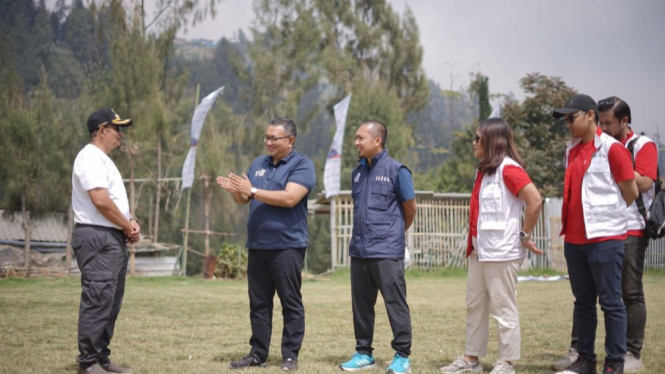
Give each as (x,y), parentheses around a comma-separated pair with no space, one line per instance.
(71,368)
(231,355)
(334,361)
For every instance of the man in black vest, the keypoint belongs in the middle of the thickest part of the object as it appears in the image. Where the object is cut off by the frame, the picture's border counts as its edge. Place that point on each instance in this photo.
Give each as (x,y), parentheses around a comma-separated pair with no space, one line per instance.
(384,208)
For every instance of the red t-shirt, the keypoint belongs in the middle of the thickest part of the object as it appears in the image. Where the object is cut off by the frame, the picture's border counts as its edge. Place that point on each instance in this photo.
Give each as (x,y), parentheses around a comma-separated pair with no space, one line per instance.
(646,164)
(515,179)
(579,158)
(646,160)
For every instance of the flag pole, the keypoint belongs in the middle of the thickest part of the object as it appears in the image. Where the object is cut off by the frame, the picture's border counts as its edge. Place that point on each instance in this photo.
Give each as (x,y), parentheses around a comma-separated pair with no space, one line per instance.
(183,271)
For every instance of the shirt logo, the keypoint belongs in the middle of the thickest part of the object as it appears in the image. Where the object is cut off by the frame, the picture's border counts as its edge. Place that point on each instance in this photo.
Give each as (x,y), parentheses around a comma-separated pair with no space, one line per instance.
(260,173)
(380,178)
(357,178)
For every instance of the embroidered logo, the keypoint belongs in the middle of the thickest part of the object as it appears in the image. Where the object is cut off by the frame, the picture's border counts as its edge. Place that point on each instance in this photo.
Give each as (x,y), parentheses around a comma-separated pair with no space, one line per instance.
(260,173)
(357,178)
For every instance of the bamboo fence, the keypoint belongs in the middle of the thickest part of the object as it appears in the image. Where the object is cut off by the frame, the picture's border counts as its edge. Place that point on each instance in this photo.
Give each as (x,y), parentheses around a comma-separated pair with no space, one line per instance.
(438,236)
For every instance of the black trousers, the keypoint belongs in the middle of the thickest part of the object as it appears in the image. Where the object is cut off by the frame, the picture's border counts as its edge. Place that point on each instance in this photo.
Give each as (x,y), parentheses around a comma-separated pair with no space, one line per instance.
(269,271)
(632,292)
(368,277)
(101,254)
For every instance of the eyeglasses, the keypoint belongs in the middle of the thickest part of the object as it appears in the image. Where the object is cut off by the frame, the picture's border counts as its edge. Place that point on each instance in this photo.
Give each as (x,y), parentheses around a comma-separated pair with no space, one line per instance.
(571,119)
(476,138)
(114,127)
(268,139)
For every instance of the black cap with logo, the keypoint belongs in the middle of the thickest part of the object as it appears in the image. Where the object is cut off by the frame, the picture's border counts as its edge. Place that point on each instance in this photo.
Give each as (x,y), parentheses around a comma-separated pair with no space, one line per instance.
(575,103)
(105,116)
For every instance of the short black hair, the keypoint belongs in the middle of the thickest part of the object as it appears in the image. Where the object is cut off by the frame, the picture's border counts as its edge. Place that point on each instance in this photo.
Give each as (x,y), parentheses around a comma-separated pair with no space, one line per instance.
(620,107)
(288,125)
(380,131)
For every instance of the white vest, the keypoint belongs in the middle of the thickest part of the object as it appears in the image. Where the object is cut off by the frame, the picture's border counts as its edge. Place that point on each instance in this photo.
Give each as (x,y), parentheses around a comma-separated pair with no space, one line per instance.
(499,213)
(603,206)
(635,219)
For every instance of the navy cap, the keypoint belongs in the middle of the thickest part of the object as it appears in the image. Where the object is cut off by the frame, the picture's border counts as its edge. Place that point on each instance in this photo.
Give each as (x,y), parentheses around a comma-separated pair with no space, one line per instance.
(103,117)
(575,103)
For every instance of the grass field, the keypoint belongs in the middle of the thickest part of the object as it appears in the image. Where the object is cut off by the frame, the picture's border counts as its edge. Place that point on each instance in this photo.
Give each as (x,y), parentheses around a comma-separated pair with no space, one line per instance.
(187,326)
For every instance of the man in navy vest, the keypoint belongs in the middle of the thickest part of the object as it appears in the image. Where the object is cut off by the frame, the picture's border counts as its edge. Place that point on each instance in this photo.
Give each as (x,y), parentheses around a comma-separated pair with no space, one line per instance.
(276,187)
(384,208)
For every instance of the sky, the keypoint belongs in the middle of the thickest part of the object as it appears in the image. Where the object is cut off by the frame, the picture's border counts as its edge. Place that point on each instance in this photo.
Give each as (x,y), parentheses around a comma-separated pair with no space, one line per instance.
(599,47)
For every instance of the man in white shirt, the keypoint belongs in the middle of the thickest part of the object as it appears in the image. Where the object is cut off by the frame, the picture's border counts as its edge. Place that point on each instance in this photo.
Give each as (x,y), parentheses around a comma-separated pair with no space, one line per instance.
(103,227)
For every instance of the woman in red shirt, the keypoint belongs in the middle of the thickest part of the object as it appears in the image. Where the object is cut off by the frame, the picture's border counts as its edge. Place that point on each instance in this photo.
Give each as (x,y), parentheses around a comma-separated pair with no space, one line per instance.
(498,240)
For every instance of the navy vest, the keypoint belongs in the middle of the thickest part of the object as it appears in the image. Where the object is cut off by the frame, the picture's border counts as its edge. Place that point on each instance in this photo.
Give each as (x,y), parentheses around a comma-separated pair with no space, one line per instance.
(378,219)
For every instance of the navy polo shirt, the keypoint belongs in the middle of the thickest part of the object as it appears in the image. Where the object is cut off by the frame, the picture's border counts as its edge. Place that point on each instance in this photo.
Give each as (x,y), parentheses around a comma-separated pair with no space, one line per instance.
(273,227)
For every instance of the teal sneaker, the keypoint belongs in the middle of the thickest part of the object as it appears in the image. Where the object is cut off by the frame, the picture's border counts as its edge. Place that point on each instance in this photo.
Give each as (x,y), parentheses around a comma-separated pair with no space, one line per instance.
(359,361)
(400,365)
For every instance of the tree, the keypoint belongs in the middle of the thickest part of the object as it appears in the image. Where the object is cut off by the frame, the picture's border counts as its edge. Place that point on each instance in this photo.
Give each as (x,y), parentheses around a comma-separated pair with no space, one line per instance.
(36,151)
(78,34)
(480,86)
(375,101)
(457,173)
(354,43)
(178,13)
(540,137)
(27,27)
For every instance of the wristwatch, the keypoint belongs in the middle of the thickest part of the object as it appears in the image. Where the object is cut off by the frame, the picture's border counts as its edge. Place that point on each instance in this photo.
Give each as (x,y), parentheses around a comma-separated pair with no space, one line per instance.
(253,192)
(524,236)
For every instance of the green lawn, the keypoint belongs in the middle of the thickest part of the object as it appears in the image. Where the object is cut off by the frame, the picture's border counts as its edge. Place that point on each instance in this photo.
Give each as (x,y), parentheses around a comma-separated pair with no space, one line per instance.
(175,325)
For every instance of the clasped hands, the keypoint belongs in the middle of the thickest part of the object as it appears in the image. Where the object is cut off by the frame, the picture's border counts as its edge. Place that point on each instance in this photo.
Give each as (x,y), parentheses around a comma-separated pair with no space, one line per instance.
(134,234)
(236,184)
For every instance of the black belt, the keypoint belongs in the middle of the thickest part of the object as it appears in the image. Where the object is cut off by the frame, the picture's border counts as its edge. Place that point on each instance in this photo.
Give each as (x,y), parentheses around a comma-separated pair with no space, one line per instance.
(105,228)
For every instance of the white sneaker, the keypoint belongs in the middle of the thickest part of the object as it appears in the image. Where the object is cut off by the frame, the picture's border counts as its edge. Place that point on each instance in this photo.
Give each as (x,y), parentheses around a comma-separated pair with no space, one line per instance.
(460,365)
(502,367)
(632,364)
(566,361)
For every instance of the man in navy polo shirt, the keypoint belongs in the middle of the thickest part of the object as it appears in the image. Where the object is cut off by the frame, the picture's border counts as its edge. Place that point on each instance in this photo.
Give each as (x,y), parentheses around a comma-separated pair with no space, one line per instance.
(276,186)
(384,208)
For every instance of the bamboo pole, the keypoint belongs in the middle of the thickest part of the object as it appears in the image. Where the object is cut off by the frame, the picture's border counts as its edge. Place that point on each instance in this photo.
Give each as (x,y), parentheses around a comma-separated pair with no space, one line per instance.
(70,230)
(27,227)
(155,230)
(208,198)
(333,232)
(183,271)
(132,206)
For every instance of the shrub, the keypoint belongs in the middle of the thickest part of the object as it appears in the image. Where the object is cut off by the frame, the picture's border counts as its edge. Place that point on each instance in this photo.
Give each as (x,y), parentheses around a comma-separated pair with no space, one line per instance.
(231,261)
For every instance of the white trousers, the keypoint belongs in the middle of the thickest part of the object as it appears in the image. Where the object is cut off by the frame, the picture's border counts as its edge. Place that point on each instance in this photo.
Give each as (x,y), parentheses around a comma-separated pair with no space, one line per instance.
(491,289)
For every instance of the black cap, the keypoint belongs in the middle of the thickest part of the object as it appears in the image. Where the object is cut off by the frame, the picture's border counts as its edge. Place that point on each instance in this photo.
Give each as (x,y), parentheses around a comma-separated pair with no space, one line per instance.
(103,117)
(575,103)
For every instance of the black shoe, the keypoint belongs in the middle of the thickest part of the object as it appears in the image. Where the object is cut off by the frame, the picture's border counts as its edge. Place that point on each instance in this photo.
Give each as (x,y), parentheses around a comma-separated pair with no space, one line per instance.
(251,360)
(612,367)
(581,366)
(113,368)
(92,369)
(290,364)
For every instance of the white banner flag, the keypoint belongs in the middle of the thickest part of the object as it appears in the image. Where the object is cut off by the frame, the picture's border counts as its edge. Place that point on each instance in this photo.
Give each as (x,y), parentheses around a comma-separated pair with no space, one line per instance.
(198,119)
(496,111)
(333,166)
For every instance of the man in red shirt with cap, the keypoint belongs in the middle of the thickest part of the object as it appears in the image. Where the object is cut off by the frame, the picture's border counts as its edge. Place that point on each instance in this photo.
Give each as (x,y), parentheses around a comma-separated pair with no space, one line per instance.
(615,118)
(599,185)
